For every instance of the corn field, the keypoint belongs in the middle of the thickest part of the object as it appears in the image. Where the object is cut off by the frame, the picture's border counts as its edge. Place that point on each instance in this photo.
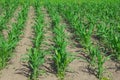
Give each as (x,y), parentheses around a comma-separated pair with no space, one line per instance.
(59,40)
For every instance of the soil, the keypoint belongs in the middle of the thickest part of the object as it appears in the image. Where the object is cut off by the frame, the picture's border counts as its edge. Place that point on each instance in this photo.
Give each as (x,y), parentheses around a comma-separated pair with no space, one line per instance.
(48,35)
(112,70)
(17,70)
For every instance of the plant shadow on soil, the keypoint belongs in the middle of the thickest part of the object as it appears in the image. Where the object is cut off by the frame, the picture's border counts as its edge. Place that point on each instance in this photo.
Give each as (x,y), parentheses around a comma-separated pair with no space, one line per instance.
(117,67)
(24,71)
(50,69)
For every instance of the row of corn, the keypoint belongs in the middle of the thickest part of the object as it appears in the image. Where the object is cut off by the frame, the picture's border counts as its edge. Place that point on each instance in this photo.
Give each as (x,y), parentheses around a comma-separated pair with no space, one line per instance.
(36,54)
(7,45)
(8,9)
(60,56)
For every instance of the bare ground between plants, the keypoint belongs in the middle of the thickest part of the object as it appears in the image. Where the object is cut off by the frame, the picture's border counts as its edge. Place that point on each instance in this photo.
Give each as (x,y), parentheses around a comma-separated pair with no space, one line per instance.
(17,70)
(48,35)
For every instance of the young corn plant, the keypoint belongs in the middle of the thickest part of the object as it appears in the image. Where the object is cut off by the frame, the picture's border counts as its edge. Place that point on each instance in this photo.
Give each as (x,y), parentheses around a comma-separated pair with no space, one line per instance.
(36,59)
(36,55)
(100,68)
(7,46)
(97,60)
(38,28)
(85,35)
(4,52)
(114,41)
(9,9)
(102,31)
(61,58)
